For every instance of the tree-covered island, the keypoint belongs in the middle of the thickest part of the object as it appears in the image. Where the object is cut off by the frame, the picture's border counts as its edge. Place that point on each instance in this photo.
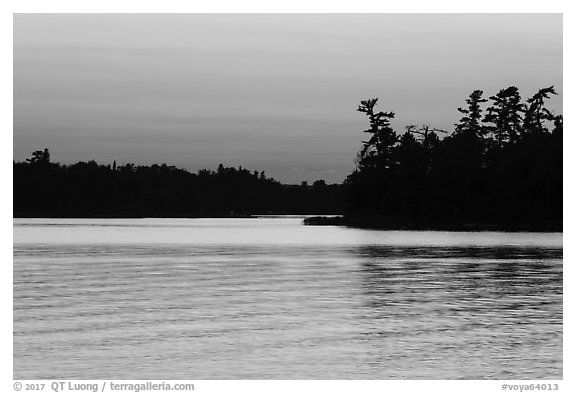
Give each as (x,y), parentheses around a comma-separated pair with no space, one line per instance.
(500,168)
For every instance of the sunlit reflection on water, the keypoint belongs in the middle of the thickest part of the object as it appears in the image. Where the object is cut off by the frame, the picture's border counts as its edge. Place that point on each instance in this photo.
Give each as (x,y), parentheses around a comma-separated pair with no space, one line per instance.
(271,299)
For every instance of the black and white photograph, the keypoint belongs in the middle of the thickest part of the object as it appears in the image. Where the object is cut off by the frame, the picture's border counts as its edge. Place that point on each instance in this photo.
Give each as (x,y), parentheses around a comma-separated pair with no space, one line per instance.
(287,196)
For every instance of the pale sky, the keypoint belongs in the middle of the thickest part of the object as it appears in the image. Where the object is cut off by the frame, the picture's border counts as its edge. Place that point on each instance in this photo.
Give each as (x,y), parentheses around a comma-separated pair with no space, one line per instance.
(273,92)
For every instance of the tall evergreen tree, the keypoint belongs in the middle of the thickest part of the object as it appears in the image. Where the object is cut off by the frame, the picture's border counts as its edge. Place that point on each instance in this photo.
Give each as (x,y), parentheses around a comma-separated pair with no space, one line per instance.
(504,116)
(40,157)
(470,122)
(377,151)
(536,113)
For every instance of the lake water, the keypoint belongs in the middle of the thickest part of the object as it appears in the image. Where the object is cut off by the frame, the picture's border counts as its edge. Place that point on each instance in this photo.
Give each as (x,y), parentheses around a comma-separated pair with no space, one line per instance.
(268,298)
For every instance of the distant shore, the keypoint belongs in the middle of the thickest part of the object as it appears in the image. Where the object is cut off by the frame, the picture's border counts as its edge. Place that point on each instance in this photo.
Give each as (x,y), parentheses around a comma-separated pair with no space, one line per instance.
(383,224)
(138,216)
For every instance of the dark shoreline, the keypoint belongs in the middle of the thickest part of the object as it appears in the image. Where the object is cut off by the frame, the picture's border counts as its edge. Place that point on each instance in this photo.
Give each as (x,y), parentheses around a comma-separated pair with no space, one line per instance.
(394,225)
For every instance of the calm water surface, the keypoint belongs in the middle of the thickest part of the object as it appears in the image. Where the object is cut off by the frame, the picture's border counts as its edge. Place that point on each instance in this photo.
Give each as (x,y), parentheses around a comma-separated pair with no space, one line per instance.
(269,298)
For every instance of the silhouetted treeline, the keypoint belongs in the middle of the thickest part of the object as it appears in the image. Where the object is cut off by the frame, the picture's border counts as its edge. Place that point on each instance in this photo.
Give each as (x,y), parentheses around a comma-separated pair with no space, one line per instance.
(87,189)
(500,168)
